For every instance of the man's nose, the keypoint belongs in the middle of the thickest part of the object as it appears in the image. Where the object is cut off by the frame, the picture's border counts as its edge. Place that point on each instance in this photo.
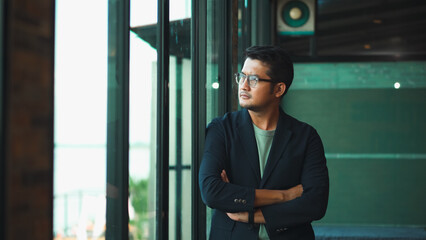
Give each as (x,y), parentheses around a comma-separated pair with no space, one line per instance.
(245,84)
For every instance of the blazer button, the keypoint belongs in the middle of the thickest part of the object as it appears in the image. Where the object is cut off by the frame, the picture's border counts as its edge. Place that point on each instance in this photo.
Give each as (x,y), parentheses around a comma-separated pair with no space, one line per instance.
(244,201)
(285,229)
(235,200)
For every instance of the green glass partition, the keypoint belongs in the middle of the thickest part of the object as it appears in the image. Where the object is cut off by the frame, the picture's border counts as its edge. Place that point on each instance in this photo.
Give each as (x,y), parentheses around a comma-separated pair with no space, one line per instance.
(371,118)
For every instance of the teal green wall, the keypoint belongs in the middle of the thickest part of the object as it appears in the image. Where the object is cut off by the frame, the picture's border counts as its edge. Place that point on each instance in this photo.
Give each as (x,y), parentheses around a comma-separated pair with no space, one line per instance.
(374,137)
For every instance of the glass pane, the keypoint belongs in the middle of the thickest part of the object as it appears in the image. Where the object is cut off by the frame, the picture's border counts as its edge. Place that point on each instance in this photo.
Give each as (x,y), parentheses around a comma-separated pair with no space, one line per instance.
(212,68)
(180,120)
(80,126)
(213,84)
(143,119)
(370,120)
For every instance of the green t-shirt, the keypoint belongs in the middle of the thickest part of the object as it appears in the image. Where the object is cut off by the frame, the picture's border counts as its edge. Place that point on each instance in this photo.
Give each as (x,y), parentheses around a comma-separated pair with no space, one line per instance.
(264,142)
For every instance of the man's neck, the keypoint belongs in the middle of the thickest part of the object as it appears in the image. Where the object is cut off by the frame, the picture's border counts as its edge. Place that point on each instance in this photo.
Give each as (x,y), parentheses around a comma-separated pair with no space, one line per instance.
(266,120)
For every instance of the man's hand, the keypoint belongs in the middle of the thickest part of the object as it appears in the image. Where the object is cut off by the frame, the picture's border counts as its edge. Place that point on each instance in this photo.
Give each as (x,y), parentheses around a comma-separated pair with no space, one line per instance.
(264,197)
(243,217)
(224,176)
(267,197)
(239,217)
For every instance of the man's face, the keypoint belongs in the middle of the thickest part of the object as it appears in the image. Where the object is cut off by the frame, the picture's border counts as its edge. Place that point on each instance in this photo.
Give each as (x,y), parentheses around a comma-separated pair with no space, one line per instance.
(259,97)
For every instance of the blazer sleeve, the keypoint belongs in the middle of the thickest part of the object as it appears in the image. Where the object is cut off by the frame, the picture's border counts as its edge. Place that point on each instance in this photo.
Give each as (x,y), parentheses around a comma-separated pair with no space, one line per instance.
(215,193)
(312,204)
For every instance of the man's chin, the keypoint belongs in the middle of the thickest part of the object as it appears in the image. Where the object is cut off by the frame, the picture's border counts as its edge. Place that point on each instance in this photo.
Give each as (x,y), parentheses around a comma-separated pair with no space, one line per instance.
(247,106)
(244,104)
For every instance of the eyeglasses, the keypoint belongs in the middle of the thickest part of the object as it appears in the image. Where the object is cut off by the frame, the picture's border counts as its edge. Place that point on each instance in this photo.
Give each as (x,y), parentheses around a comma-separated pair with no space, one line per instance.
(252,79)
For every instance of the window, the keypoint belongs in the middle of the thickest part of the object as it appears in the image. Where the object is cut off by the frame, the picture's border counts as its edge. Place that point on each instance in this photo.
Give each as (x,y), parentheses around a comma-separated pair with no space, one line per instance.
(80,111)
(126,107)
(142,120)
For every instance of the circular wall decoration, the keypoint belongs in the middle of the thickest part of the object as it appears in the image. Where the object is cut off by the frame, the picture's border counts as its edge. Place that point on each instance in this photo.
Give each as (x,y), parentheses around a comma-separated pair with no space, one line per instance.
(295,13)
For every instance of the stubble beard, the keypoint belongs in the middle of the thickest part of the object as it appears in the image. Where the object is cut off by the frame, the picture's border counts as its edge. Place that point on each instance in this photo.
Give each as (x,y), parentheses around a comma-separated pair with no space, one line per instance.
(250,106)
(253,107)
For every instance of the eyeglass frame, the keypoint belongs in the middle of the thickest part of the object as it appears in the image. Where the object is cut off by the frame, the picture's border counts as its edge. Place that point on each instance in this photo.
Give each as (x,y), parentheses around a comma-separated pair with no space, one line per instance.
(241,75)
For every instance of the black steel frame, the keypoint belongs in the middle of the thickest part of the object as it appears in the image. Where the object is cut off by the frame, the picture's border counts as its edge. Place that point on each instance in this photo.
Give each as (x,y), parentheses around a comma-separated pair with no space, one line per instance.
(163,33)
(118,121)
(198,53)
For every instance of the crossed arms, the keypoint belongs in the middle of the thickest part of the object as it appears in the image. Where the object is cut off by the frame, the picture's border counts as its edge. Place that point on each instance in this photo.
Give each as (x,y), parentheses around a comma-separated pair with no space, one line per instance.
(279,208)
(264,197)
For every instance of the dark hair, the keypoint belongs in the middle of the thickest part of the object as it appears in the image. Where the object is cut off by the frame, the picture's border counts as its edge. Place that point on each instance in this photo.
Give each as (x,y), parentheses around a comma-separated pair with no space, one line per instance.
(278,61)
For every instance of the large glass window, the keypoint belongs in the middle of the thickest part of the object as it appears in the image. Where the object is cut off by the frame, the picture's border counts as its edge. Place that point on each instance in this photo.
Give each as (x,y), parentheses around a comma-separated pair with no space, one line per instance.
(92,127)
(80,126)
(142,119)
(143,68)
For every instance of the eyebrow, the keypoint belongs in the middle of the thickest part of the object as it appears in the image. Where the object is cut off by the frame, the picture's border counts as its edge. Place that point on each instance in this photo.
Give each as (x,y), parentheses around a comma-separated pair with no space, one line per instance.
(249,74)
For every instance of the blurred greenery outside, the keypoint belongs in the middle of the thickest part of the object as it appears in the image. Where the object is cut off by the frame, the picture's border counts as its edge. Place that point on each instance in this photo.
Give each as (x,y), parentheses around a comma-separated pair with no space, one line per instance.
(138,190)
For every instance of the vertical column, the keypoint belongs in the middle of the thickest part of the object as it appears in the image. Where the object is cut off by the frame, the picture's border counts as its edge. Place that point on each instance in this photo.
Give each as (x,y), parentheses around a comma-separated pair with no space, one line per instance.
(2,126)
(198,53)
(26,152)
(118,121)
(163,120)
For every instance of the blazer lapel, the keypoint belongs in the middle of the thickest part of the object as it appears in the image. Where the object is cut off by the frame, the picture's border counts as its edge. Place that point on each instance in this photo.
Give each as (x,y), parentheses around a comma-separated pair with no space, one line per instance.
(279,145)
(248,141)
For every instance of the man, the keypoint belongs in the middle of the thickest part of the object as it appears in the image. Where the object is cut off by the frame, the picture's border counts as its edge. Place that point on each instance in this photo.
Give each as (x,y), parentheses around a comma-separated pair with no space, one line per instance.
(263,172)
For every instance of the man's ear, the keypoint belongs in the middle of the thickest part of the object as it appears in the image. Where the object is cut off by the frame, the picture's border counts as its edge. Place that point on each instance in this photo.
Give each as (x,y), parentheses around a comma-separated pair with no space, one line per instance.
(279,89)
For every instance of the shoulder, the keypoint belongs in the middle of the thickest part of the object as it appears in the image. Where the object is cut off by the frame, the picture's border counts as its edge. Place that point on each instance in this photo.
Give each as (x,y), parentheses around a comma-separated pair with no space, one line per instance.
(299,127)
(230,119)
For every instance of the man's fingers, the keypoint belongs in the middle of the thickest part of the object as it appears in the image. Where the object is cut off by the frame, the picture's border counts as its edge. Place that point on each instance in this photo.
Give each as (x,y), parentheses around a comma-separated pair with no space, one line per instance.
(300,188)
(240,216)
(232,216)
(224,176)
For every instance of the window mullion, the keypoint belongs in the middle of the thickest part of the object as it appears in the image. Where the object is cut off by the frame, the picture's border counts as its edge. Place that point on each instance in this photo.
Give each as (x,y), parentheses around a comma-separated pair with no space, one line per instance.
(118,121)
(163,33)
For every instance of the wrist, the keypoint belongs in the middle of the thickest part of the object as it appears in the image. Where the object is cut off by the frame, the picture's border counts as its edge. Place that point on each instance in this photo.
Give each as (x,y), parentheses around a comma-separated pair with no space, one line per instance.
(258,217)
(283,196)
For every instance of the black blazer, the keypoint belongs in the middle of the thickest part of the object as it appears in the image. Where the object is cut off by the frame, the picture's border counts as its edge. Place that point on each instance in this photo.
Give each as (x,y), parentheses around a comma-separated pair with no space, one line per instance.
(296,156)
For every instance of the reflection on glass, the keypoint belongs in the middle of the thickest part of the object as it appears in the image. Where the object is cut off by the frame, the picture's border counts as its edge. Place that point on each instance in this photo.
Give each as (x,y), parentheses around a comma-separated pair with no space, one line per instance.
(142,110)
(212,69)
(180,120)
(213,84)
